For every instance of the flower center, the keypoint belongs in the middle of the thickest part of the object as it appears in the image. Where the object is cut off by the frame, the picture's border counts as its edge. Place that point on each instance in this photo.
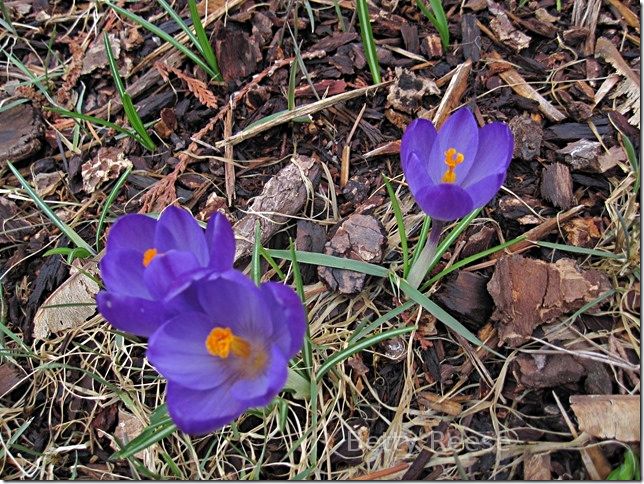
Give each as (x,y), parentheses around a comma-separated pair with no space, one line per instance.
(221,342)
(452,159)
(148,255)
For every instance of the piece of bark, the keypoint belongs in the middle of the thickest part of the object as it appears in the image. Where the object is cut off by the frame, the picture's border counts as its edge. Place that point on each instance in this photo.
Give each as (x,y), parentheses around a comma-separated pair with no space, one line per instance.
(599,381)
(237,52)
(512,77)
(608,416)
(471,38)
(360,237)
(556,185)
(432,46)
(106,165)
(585,155)
(504,29)
(537,371)
(551,290)
(528,135)
(10,376)
(409,34)
(407,91)
(12,227)
(21,131)
(310,237)
(453,93)
(477,240)
(536,467)
(284,195)
(465,294)
(96,57)
(583,232)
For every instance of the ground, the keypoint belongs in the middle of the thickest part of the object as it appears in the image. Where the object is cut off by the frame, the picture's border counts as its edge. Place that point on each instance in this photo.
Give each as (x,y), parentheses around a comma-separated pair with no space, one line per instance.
(299,139)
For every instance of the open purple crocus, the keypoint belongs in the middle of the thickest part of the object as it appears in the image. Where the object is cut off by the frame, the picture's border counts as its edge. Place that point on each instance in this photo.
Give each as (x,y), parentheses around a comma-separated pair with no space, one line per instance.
(457,169)
(229,352)
(148,262)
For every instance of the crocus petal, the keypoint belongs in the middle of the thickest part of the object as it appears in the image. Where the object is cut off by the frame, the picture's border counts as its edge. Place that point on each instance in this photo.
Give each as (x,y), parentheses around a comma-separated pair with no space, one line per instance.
(484,190)
(199,412)
(417,174)
(259,391)
(445,202)
(122,271)
(133,232)
(289,318)
(239,306)
(494,154)
(177,229)
(131,314)
(178,351)
(418,138)
(221,240)
(460,132)
(169,271)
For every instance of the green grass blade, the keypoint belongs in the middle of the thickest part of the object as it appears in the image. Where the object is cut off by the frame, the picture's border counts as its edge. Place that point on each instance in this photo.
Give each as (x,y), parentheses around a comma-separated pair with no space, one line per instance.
(395,205)
(267,257)
(255,266)
(340,356)
(422,239)
(163,35)
(180,22)
(128,106)
(331,261)
(49,213)
(359,333)
(7,18)
(442,315)
(452,236)
(368,42)
(108,203)
(437,18)
(578,250)
(95,120)
(632,158)
(33,79)
(161,426)
(627,471)
(292,78)
(203,43)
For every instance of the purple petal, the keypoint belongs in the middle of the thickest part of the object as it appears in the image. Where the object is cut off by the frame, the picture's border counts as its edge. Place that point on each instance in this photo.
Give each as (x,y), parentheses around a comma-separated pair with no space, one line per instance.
(259,391)
(240,306)
(131,314)
(199,412)
(445,202)
(133,232)
(484,190)
(418,138)
(494,153)
(167,272)
(460,132)
(289,317)
(177,229)
(122,271)
(221,240)
(178,351)
(416,174)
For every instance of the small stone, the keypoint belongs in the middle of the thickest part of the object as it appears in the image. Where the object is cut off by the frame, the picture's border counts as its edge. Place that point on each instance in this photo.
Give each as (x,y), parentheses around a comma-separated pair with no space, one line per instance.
(360,237)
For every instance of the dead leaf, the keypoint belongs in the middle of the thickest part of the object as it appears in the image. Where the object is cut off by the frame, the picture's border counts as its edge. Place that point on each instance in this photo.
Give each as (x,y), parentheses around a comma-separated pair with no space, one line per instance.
(608,416)
(46,183)
(536,467)
(128,428)
(107,165)
(10,376)
(70,304)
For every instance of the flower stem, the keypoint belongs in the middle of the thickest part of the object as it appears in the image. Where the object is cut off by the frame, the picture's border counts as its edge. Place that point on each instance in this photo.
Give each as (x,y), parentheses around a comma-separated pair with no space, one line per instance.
(421,267)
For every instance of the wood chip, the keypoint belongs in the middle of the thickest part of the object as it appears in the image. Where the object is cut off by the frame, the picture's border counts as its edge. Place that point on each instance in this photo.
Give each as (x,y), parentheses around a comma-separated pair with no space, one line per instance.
(528,135)
(512,77)
(505,31)
(536,467)
(21,131)
(454,92)
(608,416)
(10,376)
(556,185)
(538,371)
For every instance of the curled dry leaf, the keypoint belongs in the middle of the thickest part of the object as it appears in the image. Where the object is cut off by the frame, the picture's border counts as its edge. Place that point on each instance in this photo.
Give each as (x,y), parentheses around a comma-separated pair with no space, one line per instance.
(70,304)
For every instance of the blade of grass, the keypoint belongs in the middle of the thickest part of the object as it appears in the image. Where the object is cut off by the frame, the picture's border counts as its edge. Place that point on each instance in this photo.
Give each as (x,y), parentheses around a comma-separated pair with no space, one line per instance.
(33,79)
(437,18)
(292,78)
(365,328)
(128,106)
(330,261)
(632,158)
(7,18)
(203,44)
(267,257)
(161,426)
(180,22)
(160,33)
(422,238)
(92,119)
(49,213)
(578,250)
(340,356)
(368,42)
(108,203)
(256,271)
(452,236)
(401,226)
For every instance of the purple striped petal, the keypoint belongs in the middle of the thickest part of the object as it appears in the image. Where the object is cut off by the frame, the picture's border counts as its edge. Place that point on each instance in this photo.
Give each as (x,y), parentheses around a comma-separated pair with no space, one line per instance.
(484,190)
(260,390)
(122,271)
(169,272)
(418,138)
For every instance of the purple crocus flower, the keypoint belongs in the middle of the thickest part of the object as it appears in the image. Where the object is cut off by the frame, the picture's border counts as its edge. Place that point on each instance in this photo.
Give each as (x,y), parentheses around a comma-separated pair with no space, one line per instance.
(457,169)
(229,352)
(148,262)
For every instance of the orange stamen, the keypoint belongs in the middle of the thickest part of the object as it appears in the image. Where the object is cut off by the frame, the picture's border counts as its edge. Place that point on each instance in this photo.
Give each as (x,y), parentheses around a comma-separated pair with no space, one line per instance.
(452,159)
(148,255)
(221,342)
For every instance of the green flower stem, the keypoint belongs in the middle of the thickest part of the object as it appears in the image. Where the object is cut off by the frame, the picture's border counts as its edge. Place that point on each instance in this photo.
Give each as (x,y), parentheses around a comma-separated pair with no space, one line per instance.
(421,267)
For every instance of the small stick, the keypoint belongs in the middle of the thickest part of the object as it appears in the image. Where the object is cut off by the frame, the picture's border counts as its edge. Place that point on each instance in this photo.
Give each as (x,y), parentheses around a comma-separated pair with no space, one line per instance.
(346,151)
(382,473)
(229,166)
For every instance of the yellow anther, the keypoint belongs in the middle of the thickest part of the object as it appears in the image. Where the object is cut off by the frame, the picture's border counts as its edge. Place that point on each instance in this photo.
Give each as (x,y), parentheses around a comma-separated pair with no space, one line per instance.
(221,342)
(148,255)
(452,159)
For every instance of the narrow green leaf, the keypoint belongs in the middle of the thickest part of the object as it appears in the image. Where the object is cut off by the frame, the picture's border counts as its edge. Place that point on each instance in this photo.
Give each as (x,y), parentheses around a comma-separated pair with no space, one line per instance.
(368,42)
(203,43)
(161,426)
(267,257)
(437,18)
(95,120)
(628,470)
(256,271)
(108,203)
(180,22)
(42,205)
(452,236)
(292,78)
(400,222)
(578,250)
(331,261)
(422,239)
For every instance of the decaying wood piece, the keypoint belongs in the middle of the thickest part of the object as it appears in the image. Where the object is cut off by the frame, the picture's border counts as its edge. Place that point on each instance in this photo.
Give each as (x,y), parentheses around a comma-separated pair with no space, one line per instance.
(608,416)
(21,131)
(630,86)
(556,185)
(454,92)
(536,467)
(585,14)
(522,88)
(552,290)
(284,195)
(629,17)
(229,166)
